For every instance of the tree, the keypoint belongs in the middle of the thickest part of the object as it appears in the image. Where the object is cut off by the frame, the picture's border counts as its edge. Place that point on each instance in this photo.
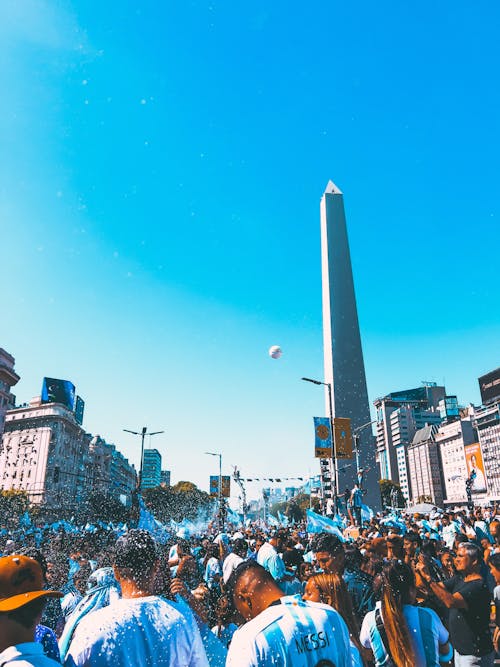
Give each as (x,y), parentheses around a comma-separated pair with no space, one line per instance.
(184,500)
(391,493)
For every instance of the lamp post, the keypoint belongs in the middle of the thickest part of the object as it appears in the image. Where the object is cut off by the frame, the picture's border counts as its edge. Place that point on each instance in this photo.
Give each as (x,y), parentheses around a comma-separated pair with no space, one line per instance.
(221,519)
(143,433)
(355,435)
(333,456)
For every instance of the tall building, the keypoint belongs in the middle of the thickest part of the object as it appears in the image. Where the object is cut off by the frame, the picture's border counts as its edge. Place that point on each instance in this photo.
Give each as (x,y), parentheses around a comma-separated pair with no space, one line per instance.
(489,386)
(454,439)
(424,467)
(165,478)
(399,416)
(8,378)
(45,452)
(487,423)
(151,469)
(343,356)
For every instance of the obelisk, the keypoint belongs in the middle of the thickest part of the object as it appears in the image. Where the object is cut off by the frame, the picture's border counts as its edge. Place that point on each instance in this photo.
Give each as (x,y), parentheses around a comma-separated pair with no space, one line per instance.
(343,355)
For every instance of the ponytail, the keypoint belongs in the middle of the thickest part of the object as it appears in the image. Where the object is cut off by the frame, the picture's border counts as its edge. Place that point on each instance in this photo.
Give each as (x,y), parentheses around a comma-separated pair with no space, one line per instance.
(397,580)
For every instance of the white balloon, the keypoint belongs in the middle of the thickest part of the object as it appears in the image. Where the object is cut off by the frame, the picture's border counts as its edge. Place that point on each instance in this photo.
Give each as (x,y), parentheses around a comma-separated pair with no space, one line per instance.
(275,352)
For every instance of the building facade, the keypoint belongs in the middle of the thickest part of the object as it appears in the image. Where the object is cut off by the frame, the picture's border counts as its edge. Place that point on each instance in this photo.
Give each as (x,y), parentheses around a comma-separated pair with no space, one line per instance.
(452,439)
(45,452)
(424,467)
(399,416)
(8,378)
(487,423)
(165,478)
(151,469)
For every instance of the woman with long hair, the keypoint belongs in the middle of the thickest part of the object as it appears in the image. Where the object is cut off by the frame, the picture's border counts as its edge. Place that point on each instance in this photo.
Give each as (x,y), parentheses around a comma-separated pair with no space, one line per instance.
(331,589)
(399,631)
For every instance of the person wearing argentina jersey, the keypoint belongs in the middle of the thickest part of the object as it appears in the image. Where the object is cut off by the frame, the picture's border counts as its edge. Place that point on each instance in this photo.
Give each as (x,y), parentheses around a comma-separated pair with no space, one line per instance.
(283,631)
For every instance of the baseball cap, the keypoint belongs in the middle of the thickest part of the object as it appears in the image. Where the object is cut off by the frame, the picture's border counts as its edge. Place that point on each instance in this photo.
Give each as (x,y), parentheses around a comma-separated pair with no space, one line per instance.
(21,581)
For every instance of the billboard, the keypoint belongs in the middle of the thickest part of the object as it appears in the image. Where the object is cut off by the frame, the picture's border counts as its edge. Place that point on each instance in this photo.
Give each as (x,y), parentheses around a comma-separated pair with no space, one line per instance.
(58,391)
(489,386)
(79,409)
(475,467)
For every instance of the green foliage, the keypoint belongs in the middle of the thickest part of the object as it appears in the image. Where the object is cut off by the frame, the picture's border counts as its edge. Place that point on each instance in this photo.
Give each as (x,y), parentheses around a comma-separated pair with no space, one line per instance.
(101,507)
(386,491)
(184,500)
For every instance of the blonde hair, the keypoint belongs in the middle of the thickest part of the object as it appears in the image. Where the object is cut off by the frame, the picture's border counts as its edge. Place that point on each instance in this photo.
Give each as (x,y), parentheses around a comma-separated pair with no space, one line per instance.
(333,591)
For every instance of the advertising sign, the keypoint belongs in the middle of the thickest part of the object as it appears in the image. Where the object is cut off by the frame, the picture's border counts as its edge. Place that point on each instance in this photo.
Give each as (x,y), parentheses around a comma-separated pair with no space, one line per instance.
(475,467)
(323,438)
(489,386)
(58,391)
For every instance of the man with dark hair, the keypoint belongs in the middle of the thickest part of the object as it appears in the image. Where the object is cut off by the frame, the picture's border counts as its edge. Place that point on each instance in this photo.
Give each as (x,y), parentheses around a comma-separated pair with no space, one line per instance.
(268,556)
(468,599)
(234,558)
(284,630)
(330,556)
(22,600)
(141,628)
(359,583)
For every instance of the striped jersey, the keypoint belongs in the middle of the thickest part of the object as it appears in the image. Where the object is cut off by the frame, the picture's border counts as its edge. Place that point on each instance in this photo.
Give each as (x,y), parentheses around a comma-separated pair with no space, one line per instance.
(293,632)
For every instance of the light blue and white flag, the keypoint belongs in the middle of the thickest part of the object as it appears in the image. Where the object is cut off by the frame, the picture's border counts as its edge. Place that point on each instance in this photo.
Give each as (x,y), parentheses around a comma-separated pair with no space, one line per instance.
(152,525)
(272,521)
(367,513)
(283,519)
(321,524)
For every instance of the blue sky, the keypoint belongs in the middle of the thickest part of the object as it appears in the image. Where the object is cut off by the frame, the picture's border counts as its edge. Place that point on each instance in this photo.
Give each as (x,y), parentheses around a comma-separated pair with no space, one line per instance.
(160,177)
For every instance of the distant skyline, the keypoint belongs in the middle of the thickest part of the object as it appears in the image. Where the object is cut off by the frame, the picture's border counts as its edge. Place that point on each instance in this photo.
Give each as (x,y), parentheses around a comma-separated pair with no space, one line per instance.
(160,178)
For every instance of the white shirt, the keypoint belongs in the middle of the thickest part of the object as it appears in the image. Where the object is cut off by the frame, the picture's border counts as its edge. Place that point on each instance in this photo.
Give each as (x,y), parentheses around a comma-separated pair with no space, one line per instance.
(229,565)
(139,631)
(294,633)
(370,637)
(29,654)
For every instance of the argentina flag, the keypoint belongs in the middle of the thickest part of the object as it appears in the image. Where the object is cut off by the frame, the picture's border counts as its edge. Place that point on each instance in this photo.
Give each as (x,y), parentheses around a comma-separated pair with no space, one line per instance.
(321,524)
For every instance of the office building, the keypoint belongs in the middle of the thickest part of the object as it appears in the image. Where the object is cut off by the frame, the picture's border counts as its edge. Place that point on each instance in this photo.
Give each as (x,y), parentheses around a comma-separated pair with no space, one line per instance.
(344,367)
(8,378)
(151,469)
(45,452)
(455,440)
(487,423)
(400,415)
(424,467)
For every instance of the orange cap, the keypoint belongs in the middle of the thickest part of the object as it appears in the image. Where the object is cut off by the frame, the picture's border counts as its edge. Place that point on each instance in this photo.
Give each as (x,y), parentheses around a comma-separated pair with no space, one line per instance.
(21,581)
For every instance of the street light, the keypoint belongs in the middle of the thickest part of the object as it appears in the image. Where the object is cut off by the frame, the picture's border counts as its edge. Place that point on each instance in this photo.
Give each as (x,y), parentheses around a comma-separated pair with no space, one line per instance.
(143,434)
(333,457)
(221,520)
(355,435)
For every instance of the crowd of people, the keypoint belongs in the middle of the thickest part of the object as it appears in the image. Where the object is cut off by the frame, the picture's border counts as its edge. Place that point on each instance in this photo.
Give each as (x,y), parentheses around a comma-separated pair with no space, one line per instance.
(397,590)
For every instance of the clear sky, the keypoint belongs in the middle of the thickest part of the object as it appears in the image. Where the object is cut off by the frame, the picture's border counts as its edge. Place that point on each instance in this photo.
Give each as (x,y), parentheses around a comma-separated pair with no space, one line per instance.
(161,166)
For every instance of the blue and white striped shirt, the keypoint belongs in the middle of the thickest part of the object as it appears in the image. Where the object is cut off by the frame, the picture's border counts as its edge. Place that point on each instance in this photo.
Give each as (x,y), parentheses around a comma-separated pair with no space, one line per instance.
(294,633)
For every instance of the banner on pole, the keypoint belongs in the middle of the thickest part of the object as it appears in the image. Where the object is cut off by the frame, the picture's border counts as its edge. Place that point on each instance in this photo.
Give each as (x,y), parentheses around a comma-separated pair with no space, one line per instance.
(225,489)
(323,438)
(342,437)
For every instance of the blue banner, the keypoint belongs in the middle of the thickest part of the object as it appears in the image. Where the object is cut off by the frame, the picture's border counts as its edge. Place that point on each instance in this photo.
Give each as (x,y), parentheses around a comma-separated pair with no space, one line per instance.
(323,438)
